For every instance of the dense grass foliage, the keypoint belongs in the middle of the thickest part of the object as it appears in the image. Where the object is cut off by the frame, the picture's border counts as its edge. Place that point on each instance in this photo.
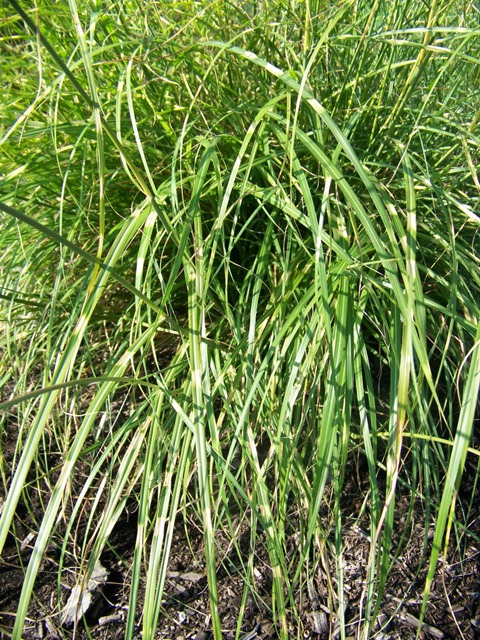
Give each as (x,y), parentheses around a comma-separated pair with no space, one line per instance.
(254,228)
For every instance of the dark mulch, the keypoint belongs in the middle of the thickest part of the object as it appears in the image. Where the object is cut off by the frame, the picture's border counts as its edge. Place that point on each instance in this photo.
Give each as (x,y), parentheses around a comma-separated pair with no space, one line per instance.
(453,610)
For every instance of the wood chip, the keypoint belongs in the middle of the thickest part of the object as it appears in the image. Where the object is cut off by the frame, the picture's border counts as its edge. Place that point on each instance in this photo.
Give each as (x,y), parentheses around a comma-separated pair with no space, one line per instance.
(415,622)
(320,623)
(190,575)
(114,617)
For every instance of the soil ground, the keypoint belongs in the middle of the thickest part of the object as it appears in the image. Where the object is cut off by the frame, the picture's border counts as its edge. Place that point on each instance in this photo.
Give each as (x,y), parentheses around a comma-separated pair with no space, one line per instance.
(453,612)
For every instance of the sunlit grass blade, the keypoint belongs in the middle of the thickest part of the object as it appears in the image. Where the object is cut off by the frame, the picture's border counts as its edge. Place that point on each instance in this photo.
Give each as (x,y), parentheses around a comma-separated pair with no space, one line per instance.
(239,311)
(195,275)
(456,464)
(51,512)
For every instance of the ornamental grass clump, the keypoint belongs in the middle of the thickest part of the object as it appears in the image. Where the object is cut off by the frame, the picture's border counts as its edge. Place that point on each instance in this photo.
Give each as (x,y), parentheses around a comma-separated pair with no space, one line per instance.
(240,264)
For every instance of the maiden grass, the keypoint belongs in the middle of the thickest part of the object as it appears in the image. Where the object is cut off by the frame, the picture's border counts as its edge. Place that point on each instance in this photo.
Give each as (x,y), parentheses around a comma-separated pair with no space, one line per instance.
(257,225)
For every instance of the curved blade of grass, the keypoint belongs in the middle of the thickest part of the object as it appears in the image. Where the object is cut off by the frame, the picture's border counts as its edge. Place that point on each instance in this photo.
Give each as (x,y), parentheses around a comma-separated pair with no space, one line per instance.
(195,275)
(100,150)
(131,226)
(164,529)
(106,127)
(456,465)
(93,260)
(51,513)
(403,335)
